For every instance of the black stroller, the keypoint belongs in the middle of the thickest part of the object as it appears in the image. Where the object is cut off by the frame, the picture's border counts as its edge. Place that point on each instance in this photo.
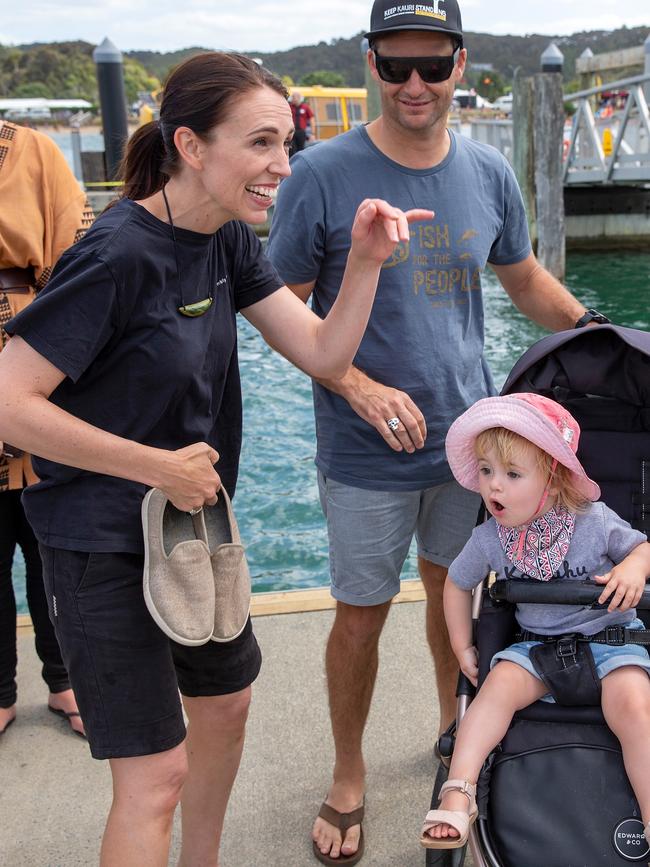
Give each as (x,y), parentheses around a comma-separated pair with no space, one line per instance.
(583,812)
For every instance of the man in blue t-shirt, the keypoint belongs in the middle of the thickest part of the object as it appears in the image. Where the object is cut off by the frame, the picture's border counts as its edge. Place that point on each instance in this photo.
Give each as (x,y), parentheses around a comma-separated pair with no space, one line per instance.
(382,471)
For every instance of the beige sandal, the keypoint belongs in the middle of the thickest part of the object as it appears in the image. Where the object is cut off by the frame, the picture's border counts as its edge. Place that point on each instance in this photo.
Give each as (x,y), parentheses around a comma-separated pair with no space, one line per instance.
(458,819)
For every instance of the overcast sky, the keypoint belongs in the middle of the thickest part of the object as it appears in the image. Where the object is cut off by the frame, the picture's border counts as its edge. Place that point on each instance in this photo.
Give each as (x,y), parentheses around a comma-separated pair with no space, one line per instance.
(274,25)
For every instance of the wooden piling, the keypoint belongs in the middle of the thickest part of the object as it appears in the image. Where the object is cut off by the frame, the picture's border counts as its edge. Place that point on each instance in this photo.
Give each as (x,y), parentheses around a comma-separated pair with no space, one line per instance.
(538,125)
(523,104)
(373,98)
(548,129)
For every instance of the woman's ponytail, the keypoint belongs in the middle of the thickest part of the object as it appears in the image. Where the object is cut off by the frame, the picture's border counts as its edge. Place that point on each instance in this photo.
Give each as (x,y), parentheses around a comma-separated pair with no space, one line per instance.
(143,166)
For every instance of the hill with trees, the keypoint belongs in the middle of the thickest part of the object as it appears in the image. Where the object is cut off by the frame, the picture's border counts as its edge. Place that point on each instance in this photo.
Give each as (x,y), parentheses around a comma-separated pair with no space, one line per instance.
(66,69)
(59,70)
(505,53)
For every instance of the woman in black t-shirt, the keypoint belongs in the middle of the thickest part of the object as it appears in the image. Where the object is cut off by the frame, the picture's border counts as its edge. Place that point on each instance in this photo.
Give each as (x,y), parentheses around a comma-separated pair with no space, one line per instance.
(122,376)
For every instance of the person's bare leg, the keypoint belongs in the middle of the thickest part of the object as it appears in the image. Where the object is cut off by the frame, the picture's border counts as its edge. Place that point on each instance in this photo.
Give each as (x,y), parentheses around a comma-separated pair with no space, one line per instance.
(507,689)
(351,662)
(66,701)
(7,716)
(445,664)
(146,791)
(215,740)
(626,707)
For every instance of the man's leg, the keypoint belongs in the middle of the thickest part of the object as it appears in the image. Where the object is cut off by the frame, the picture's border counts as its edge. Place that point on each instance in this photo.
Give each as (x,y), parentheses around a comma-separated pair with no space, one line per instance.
(445,522)
(215,740)
(351,663)
(369,535)
(299,138)
(445,664)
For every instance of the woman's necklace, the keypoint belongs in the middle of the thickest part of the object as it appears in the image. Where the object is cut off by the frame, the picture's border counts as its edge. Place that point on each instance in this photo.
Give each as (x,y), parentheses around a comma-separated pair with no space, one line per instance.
(196,308)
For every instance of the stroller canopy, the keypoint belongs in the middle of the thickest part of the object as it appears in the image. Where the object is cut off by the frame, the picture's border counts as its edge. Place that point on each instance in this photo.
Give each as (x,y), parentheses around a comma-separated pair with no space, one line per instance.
(602,375)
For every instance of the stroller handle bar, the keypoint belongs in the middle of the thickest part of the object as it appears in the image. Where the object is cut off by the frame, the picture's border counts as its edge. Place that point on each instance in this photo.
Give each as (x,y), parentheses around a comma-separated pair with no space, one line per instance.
(557,591)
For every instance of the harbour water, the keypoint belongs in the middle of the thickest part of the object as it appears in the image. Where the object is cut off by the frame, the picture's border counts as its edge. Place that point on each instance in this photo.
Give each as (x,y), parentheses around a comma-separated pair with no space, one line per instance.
(277,500)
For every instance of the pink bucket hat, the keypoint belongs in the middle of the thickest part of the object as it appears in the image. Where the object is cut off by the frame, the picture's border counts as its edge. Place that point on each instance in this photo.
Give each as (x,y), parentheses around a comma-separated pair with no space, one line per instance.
(538,419)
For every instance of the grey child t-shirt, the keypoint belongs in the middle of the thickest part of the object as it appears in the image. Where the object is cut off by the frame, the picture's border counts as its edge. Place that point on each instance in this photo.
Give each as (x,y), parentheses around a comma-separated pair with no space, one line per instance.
(600,540)
(425,334)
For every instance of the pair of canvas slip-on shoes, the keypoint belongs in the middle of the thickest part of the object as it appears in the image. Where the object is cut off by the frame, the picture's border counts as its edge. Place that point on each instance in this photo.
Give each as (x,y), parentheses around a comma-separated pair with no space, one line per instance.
(196,582)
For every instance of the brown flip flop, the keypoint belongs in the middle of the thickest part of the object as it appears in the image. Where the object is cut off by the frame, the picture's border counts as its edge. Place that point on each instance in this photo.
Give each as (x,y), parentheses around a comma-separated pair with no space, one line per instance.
(67,715)
(342,821)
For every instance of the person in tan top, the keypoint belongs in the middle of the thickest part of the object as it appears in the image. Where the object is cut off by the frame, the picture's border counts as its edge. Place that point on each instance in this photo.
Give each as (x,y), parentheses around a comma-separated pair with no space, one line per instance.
(43,212)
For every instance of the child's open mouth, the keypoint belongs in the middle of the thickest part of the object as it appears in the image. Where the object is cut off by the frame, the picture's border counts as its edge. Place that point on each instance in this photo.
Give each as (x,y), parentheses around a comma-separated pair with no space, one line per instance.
(497,506)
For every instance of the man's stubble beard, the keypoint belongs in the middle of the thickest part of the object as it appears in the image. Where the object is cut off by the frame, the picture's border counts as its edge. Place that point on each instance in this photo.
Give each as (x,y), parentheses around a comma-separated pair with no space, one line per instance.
(439,112)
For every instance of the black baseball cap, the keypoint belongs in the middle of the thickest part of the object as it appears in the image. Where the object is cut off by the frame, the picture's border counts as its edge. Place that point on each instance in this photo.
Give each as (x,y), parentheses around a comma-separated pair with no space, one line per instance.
(442,16)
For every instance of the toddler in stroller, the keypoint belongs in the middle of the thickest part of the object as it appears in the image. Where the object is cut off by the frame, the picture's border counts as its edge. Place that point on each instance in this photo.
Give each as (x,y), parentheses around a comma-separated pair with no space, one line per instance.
(519,452)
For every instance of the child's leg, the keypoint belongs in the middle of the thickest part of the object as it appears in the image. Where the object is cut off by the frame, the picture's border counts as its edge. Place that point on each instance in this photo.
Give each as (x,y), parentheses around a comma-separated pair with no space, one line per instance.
(507,689)
(626,707)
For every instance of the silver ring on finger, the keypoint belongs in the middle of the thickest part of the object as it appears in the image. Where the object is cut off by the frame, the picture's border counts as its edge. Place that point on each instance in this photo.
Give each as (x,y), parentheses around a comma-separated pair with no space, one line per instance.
(196,511)
(393,423)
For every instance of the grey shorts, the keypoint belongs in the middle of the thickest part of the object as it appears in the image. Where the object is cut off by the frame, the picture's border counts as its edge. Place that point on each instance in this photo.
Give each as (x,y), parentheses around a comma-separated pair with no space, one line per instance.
(370,533)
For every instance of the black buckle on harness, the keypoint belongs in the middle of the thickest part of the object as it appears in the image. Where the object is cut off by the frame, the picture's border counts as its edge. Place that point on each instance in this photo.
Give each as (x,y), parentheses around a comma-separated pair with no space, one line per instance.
(615,635)
(566,646)
(567,668)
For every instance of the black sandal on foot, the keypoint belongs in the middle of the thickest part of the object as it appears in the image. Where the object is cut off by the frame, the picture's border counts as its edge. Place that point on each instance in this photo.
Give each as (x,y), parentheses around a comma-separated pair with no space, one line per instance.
(67,715)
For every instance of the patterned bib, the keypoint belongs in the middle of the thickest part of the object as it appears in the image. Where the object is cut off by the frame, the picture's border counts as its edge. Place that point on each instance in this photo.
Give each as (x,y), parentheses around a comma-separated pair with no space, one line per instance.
(538,549)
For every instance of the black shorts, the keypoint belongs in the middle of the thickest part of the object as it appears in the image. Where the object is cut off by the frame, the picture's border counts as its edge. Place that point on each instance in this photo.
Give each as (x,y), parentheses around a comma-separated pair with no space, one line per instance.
(125,672)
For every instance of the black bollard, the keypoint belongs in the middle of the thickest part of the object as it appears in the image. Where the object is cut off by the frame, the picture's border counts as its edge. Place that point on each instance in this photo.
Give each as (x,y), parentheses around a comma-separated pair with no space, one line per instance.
(112,97)
(552,59)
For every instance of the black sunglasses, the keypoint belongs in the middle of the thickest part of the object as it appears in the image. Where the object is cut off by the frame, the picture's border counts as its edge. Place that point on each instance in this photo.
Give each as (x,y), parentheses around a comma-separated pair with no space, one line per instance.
(398,70)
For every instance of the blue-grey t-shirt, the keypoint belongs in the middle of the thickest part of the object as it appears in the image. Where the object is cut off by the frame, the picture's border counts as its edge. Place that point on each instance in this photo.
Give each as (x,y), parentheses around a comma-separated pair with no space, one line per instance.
(108,318)
(425,334)
(600,540)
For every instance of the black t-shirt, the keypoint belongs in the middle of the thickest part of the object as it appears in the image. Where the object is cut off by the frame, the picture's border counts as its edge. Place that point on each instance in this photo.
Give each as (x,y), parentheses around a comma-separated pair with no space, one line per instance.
(109,320)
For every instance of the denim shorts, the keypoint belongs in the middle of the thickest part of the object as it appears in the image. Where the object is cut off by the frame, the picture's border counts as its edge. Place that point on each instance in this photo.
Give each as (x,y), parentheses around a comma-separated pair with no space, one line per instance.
(370,533)
(125,672)
(606,656)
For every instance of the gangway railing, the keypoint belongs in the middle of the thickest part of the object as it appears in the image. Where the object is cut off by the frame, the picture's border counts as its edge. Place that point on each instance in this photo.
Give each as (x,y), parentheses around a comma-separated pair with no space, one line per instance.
(586,160)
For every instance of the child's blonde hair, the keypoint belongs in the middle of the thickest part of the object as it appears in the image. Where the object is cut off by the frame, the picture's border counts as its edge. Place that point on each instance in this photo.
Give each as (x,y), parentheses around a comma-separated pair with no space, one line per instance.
(508,445)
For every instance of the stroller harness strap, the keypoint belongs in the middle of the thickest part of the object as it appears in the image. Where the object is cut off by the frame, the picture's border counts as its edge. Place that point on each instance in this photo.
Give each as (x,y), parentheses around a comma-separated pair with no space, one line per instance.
(567,668)
(615,636)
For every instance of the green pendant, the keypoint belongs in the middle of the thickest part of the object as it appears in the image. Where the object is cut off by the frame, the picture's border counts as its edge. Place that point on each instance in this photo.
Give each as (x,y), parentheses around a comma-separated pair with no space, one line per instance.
(198,308)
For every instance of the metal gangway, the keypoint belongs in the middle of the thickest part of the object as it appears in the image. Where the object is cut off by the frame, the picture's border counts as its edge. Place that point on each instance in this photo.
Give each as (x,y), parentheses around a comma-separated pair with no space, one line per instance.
(587,158)
(613,149)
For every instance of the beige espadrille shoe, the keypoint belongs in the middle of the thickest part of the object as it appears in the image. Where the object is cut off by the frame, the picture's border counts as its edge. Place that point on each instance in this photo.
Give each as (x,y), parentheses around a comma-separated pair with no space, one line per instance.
(232,580)
(177,581)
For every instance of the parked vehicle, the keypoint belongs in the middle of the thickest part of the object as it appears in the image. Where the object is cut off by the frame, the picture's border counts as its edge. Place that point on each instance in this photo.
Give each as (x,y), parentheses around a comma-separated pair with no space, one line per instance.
(37,113)
(469,99)
(503,103)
